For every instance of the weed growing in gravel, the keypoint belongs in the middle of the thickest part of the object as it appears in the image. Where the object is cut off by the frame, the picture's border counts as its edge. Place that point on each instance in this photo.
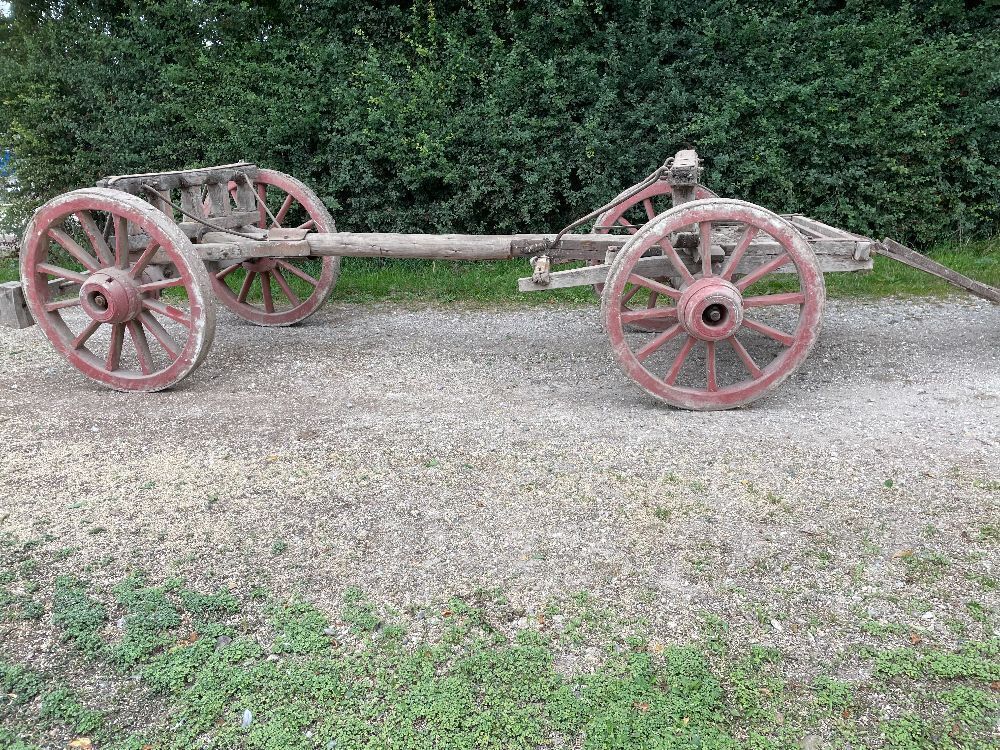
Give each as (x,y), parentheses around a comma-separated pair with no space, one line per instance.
(79,616)
(925,568)
(148,617)
(18,684)
(62,706)
(279,546)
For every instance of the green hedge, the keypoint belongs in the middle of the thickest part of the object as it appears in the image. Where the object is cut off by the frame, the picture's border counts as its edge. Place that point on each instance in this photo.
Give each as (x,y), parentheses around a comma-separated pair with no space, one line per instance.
(495,115)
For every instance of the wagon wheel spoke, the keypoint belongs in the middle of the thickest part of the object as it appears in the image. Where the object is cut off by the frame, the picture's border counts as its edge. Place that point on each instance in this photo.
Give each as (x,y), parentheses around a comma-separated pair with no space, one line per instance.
(114,357)
(147,255)
(283,211)
(265,288)
(168,311)
(141,343)
(762,271)
(705,247)
(245,288)
(62,304)
(61,273)
(310,224)
(650,211)
(682,355)
(631,316)
(282,282)
(121,242)
(227,270)
(89,330)
(97,238)
(262,219)
(738,252)
(632,228)
(298,272)
(74,248)
(627,297)
(770,300)
(711,380)
(161,334)
(675,259)
(654,286)
(156,286)
(744,356)
(772,333)
(671,333)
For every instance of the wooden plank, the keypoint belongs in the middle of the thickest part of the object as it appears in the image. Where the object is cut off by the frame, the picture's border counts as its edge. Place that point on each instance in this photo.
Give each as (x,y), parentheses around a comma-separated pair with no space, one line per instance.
(455,246)
(832,255)
(218,196)
(14,311)
(133,183)
(193,202)
(892,249)
(659,266)
(242,219)
(589,275)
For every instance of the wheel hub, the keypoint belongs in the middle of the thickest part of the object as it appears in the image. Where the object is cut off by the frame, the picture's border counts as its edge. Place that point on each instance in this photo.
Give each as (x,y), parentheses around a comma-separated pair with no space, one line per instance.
(261,265)
(111,296)
(711,309)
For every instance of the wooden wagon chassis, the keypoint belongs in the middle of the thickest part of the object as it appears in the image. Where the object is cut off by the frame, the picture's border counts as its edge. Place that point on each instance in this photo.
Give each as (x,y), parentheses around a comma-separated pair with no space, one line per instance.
(683,284)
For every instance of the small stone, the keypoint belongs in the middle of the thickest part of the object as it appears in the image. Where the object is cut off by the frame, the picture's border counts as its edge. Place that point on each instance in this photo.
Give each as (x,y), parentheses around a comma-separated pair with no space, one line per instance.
(222,641)
(776,625)
(247,718)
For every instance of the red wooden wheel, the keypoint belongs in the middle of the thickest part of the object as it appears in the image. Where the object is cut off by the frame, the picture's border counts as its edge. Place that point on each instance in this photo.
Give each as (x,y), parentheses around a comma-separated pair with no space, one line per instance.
(90,283)
(729,331)
(629,216)
(280,291)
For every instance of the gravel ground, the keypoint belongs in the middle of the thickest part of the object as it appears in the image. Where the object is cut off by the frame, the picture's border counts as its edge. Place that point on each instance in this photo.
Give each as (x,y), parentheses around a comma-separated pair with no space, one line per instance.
(420,453)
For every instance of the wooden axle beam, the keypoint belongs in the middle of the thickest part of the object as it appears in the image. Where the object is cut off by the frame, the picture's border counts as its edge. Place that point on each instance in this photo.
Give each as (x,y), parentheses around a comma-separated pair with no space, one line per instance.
(222,246)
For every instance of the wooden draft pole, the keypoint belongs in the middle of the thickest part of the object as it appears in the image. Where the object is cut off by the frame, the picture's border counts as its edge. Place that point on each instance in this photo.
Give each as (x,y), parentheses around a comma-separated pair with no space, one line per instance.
(892,249)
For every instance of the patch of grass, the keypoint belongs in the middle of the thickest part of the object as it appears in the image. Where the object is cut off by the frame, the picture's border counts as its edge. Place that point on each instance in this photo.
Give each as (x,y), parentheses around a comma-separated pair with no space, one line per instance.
(990,532)
(221,602)
(63,707)
(279,546)
(233,671)
(758,691)
(978,611)
(974,661)
(78,615)
(11,741)
(882,629)
(359,613)
(148,617)
(15,607)
(18,684)
(298,629)
(836,696)
(663,513)
(925,568)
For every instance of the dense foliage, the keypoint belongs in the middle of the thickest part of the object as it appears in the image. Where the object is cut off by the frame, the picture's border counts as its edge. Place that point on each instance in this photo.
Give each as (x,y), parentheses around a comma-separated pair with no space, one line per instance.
(499,115)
